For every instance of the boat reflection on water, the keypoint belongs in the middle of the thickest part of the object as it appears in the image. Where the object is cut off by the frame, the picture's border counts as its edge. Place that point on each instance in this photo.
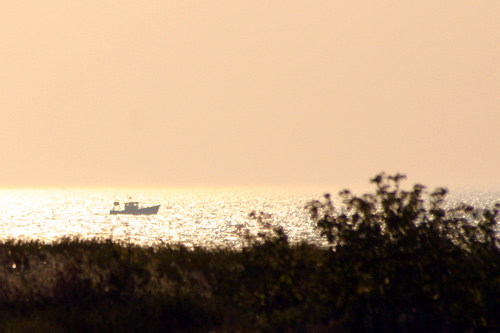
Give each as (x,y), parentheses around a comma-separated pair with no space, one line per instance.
(132,208)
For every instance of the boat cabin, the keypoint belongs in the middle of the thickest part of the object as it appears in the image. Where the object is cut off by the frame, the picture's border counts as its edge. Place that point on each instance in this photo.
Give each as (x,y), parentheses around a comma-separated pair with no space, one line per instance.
(130,206)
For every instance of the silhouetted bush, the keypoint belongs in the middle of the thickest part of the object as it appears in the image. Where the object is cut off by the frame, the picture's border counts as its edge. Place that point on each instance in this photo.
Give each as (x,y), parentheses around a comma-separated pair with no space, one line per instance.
(402,262)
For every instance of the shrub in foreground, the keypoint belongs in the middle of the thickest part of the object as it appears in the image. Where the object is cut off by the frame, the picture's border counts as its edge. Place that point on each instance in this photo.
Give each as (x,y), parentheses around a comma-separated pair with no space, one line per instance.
(401,259)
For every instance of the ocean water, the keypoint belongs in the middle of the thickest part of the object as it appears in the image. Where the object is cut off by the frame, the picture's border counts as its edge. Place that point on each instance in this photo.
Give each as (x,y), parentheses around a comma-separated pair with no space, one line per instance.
(203,217)
(208,218)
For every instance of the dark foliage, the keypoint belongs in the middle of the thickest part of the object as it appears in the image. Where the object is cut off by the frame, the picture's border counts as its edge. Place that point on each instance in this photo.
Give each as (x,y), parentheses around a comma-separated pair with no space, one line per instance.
(404,263)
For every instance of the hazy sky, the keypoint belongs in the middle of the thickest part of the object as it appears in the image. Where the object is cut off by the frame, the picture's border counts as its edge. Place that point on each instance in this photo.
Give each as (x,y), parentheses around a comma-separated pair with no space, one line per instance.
(316,93)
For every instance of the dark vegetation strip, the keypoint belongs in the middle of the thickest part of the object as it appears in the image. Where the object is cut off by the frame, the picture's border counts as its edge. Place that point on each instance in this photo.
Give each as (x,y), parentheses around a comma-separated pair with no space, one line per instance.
(398,262)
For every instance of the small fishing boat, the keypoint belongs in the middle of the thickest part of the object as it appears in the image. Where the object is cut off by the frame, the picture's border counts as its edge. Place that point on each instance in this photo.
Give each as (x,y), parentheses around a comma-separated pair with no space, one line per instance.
(133,208)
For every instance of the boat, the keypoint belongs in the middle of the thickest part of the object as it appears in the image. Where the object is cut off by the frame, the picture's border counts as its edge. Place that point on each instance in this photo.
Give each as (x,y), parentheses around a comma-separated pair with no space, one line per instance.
(133,208)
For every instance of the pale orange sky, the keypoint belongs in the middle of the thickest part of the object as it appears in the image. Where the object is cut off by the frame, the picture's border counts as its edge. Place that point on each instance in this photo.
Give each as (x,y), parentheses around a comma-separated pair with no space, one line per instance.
(295,93)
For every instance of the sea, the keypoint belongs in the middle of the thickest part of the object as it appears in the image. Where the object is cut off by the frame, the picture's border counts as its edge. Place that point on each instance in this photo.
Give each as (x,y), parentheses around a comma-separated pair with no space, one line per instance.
(207,218)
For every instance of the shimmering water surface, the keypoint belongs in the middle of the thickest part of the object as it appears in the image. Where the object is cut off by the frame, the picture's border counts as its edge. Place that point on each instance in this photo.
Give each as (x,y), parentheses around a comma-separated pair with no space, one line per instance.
(191,217)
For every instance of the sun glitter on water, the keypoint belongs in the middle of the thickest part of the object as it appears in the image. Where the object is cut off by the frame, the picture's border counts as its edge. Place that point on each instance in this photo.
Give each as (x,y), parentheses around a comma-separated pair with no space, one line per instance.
(208,218)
